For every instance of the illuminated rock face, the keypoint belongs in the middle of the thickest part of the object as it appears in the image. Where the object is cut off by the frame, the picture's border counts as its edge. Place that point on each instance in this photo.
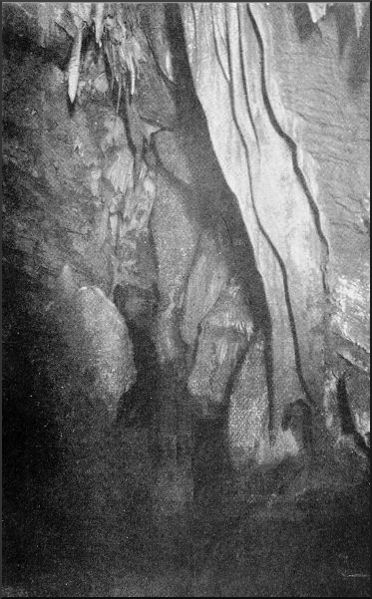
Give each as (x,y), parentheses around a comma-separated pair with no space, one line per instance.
(290,139)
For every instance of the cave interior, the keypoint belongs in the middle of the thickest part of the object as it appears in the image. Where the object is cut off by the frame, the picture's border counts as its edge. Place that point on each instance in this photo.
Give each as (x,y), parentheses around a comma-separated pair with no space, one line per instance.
(132,300)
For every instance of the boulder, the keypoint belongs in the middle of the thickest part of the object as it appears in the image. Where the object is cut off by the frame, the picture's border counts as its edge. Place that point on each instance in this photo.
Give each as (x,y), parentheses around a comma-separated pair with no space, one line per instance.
(100,346)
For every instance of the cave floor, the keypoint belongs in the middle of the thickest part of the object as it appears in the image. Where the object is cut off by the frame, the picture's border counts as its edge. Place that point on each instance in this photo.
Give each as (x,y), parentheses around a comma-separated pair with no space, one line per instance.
(271,534)
(317,545)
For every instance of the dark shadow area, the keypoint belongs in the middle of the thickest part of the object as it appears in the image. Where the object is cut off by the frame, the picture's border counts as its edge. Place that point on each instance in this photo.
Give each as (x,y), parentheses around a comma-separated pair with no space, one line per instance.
(304,23)
(184,87)
(75,494)
(32,454)
(360,56)
(26,43)
(345,22)
(347,421)
(138,405)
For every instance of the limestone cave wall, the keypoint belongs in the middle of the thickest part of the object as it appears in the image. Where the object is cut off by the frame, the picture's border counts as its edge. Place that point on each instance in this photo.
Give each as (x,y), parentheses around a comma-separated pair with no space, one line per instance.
(185,252)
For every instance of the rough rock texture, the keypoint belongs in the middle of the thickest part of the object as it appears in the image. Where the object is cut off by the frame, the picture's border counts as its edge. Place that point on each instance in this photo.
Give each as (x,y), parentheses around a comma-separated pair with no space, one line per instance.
(281,162)
(359,392)
(225,332)
(37,23)
(247,430)
(49,161)
(98,339)
(175,239)
(209,274)
(67,355)
(247,163)
(334,158)
(193,228)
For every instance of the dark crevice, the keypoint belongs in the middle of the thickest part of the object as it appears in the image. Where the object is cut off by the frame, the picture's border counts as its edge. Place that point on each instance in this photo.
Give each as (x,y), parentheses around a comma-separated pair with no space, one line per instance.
(347,425)
(183,88)
(347,422)
(218,56)
(146,28)
(138,405)
(245,86)
(360,56)
(345,23)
